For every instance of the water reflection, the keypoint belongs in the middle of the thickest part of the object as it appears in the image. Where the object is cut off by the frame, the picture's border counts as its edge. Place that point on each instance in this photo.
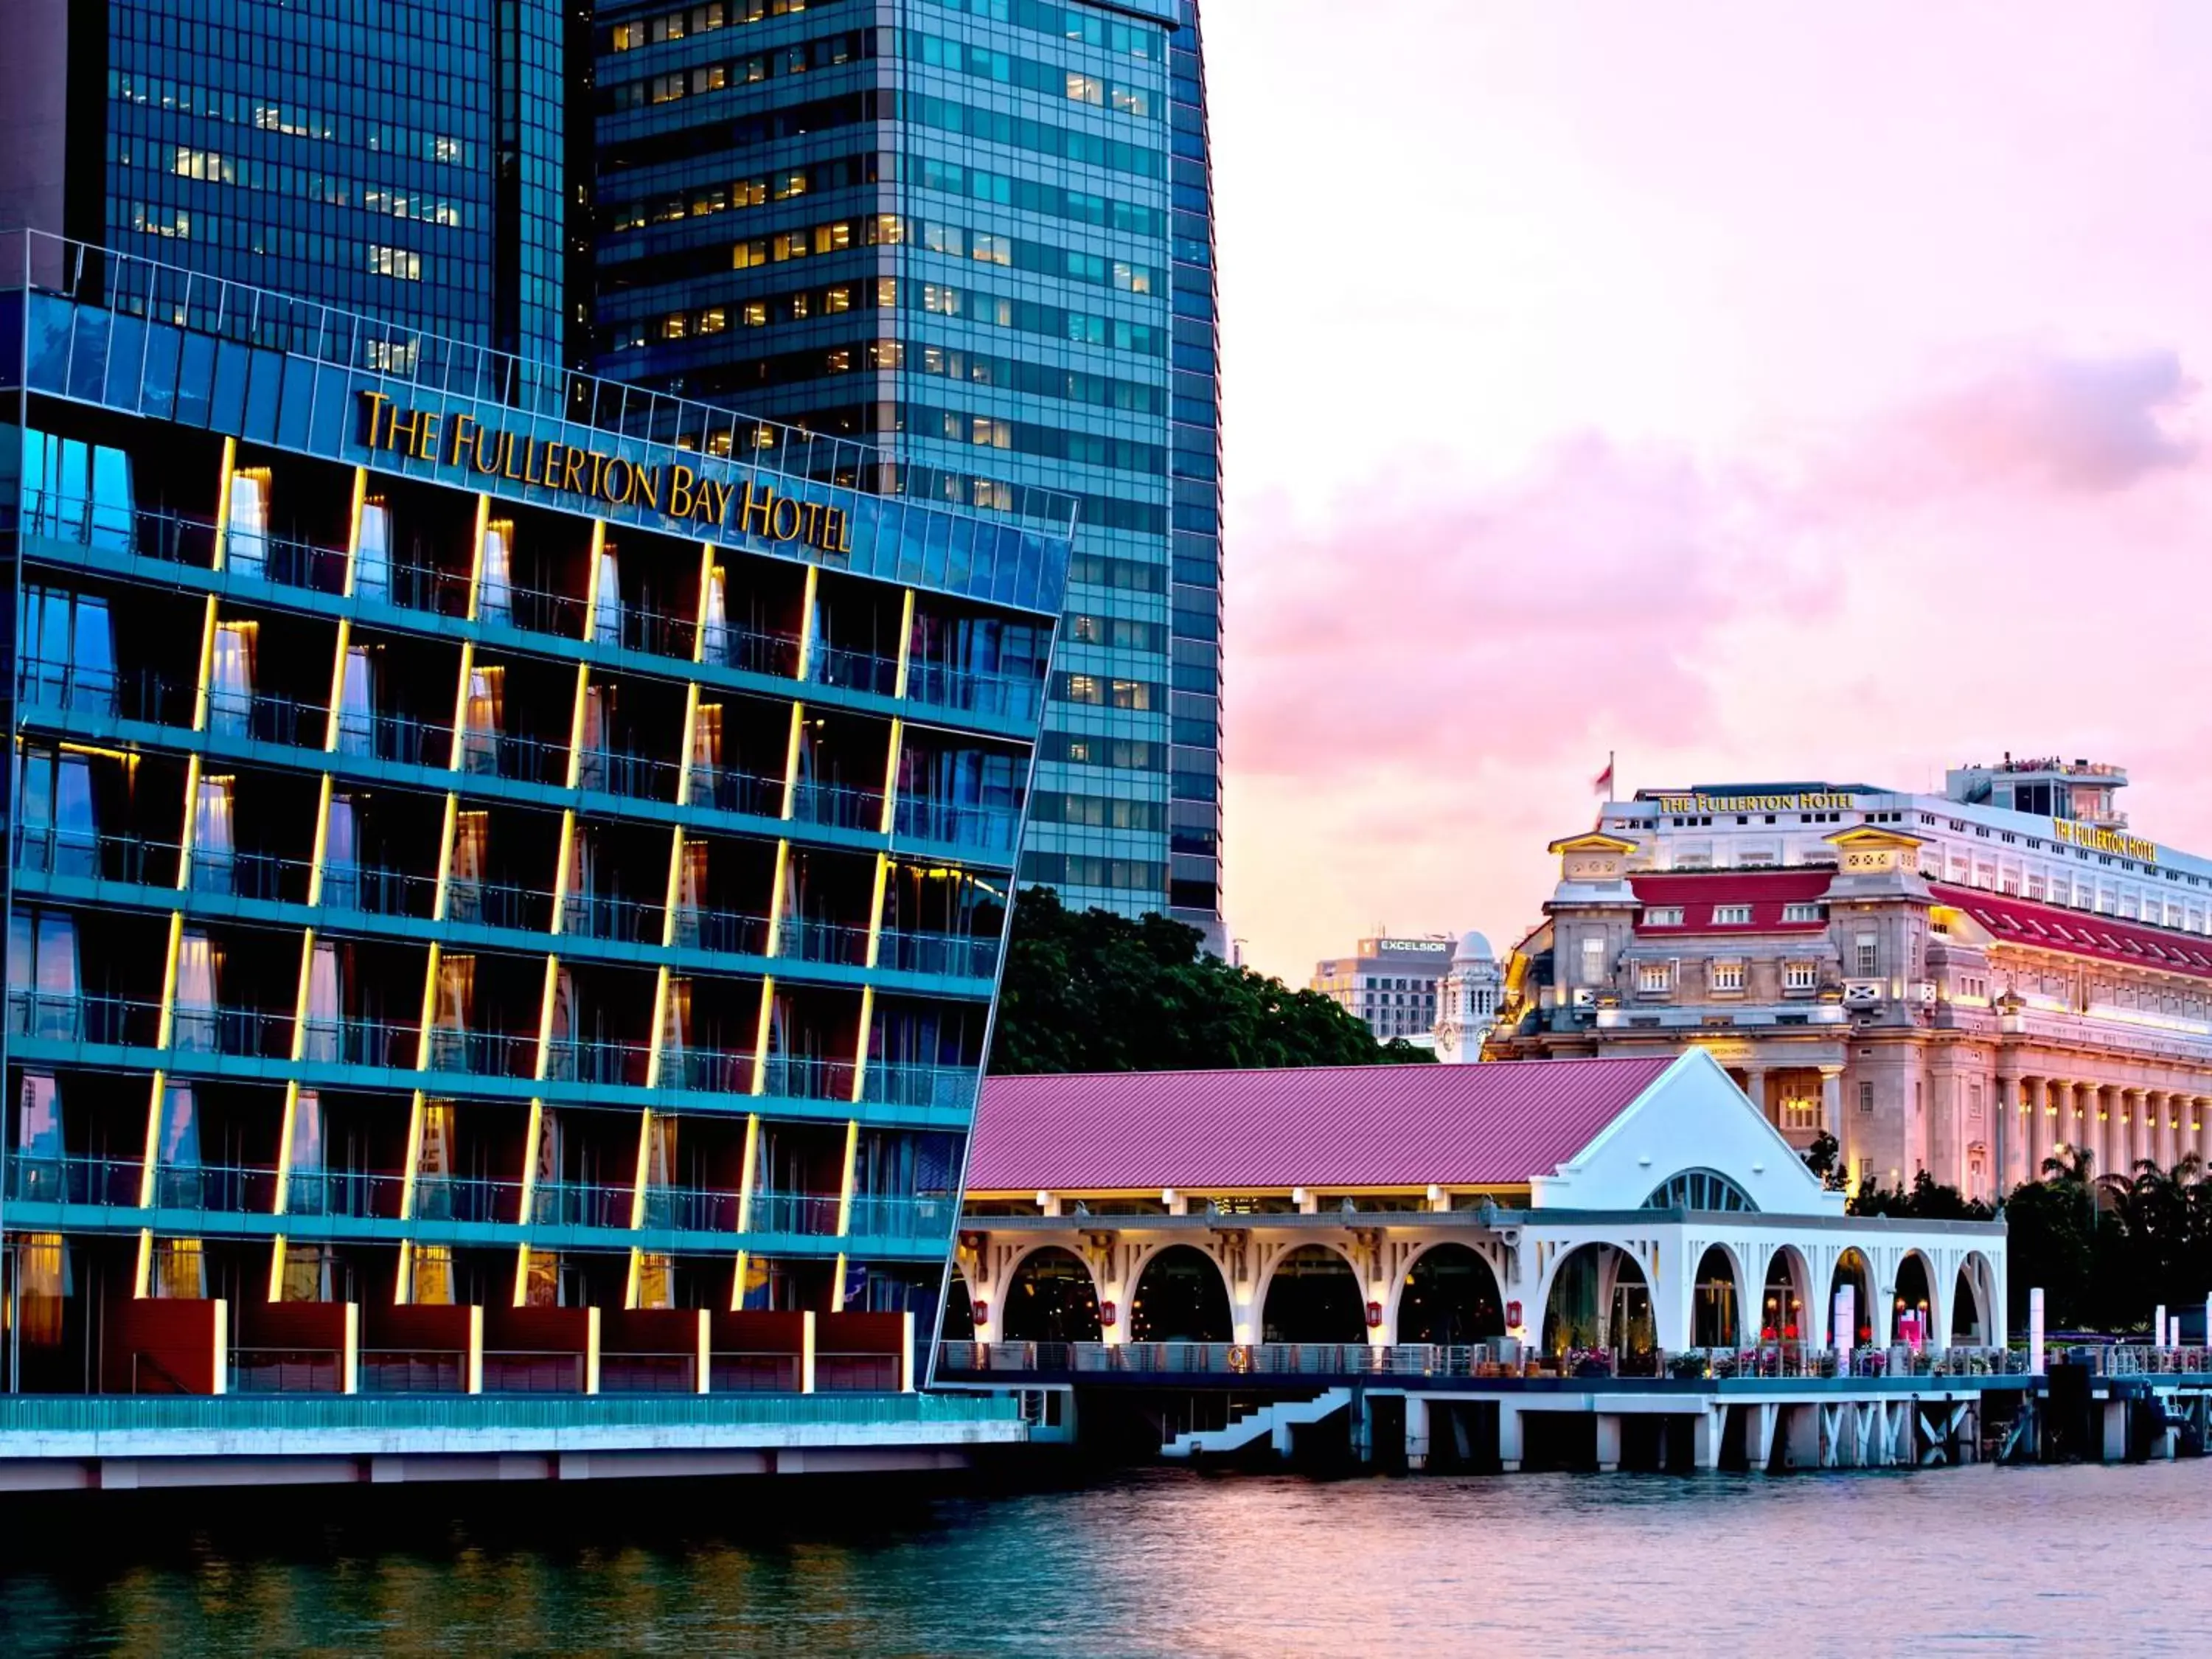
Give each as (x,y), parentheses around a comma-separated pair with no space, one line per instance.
(1161,1563)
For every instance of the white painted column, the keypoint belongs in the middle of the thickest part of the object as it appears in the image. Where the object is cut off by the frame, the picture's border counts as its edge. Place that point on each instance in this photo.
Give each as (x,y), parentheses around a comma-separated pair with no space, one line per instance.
(1831,1103)
(1509,1437)
(1608,1443)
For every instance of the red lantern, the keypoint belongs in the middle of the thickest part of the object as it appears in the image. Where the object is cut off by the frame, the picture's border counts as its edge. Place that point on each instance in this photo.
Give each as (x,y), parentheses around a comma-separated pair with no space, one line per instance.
(1107,1313)
(979,1311)
(1512,1315)
(1374,1315)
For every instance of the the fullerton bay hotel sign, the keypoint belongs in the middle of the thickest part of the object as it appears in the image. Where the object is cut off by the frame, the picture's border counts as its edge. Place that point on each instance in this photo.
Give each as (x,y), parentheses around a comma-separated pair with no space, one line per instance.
(591,475)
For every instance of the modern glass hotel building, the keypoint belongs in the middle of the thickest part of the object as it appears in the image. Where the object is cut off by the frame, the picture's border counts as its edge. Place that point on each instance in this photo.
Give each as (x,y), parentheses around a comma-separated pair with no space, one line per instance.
(394,157)
(507,871)
(967,231)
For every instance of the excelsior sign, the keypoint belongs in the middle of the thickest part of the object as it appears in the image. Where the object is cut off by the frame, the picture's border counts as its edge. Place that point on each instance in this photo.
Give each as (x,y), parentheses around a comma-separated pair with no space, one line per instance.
(676,490)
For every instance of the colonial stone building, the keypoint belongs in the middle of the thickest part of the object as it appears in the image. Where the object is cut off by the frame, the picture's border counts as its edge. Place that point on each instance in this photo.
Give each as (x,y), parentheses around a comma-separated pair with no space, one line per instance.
(1947,983)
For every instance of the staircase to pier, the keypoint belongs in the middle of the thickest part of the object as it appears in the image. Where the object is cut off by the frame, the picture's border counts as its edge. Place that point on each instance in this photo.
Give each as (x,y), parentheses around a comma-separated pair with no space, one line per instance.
(1274,1420)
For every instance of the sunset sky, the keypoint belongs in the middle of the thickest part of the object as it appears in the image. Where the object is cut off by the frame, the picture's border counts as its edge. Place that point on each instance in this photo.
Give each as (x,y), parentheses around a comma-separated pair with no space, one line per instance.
(1760,392)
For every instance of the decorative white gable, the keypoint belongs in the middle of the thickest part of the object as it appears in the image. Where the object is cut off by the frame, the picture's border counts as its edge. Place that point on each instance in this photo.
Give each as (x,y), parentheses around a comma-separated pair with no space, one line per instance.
(1692,1118)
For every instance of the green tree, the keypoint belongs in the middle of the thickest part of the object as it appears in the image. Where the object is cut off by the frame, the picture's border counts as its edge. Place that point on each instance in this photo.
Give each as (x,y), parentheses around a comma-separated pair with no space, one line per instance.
(1089,991)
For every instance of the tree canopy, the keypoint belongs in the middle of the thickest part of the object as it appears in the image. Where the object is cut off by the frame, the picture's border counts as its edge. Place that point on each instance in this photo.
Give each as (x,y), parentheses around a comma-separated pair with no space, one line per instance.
(1089,991)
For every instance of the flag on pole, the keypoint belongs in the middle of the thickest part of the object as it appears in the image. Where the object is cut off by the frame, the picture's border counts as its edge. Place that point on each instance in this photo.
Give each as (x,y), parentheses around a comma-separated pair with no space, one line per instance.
(1603,782)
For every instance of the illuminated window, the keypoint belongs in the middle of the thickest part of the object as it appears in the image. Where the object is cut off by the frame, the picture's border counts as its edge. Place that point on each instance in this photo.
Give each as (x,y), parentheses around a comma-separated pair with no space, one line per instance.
(743,254)
(401,263)
(837,299)
(710,77)
(753,313)
(992,250)
(714,320)
(1085,88)
(672,326)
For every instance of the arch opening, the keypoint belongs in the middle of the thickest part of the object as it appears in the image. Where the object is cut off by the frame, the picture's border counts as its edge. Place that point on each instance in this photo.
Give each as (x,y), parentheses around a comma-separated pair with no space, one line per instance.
(1912,1303)
(1852,1272)
(1782,1303)
(958,1321)
(1601,1301)
(1714,1308)
(1969,1326)
(1450,1298)
(1314,1297)
(1050,1299)
(1180,1298)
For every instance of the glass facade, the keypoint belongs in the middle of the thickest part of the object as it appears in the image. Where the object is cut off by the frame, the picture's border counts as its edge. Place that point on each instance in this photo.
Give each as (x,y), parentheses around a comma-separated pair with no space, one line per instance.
(509,870)
(399,159)
(978,234)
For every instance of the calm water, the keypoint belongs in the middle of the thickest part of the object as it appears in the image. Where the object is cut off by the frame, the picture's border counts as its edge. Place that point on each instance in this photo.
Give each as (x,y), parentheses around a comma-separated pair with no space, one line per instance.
(1975,1560)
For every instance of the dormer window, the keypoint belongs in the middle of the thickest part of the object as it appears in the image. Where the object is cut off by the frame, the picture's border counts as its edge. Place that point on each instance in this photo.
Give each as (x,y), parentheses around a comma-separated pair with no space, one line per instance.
(1801,912)
(1731,915)
(1663,915)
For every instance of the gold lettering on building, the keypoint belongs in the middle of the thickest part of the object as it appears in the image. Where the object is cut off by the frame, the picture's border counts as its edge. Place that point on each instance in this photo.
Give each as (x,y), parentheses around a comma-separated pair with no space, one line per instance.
(1803,801)
(678,491)
(2104,840)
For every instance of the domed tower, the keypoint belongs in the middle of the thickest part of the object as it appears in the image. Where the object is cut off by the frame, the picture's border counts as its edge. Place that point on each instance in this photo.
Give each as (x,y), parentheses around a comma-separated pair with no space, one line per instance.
(1467,1001)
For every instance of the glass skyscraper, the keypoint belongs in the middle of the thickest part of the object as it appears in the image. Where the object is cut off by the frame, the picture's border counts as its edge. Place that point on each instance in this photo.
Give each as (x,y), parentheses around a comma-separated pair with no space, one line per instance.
(399,159)
(978,234)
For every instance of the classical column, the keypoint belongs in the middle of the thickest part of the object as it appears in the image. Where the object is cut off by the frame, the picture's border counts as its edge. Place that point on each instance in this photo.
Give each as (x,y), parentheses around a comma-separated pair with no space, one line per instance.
(2028,1133)
(1754,1084)
(1831,1102)
(2162,1109)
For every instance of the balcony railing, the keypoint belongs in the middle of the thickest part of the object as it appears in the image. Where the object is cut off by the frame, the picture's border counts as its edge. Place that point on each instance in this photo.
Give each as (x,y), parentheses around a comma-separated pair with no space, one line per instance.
(634,776)
(708,1071)
(1001,695)
(942,1088)
(287,1370)
(691,1210)
(51,851)
(580,1204)
(753,650)
(412,1371)
(482,1053)
(608,916)
(74,1017)
(105,1183)
(405,739)
(730,933)
(957,955)
(838,806)
(465,1198)
(422,587)
(854,670)
(249,875)
(217,1188)
(728,790)
(919,1218)
(597,1059)
(822,941)
(536,612)
(359,1194)
(649,1373)
(658,634)
(128,694)
(988,829)
(341,1040)
(807,1214)
(374,890)
(524,759)
(498,904)
(267,717)
(798,1078)
(249,1033)
(169,536)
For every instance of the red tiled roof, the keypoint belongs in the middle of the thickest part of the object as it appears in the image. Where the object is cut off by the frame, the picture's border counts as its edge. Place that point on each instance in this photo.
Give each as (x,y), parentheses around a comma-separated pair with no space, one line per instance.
(2024,922)
(1766,891)
(1324,1128)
